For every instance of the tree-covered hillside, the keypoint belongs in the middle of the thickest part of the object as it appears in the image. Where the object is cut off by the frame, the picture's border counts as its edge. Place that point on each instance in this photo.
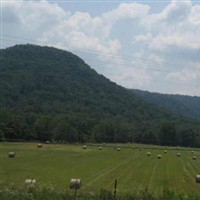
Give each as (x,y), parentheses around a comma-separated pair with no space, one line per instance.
(182,104)
(48,93)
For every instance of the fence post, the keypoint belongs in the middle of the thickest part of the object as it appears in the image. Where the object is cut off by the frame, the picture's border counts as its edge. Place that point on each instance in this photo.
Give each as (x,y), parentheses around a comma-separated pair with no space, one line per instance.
(115,189)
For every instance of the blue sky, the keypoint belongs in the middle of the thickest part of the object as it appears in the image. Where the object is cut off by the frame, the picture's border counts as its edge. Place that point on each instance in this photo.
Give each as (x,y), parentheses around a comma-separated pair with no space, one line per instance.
(148,45)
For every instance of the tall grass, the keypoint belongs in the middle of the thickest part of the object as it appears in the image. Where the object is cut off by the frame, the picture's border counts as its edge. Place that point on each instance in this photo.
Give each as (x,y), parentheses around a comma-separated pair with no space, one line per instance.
(49,192)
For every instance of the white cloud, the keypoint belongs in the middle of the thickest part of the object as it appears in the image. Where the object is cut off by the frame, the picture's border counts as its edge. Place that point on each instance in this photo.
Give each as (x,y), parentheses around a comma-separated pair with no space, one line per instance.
(176,26)
(82,31)
(143,38)
(184,75)
(188,40)
(35,15)
(130,77)
(194,17)
(175,12)
(31,18)
(126,11)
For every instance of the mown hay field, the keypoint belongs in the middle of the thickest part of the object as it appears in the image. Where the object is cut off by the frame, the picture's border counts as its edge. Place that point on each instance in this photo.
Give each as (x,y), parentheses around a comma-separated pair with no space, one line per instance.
(57,163)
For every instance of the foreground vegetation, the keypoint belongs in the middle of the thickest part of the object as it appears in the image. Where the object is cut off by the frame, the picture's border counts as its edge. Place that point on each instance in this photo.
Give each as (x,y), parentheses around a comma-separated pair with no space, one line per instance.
(48,192)
(56,164)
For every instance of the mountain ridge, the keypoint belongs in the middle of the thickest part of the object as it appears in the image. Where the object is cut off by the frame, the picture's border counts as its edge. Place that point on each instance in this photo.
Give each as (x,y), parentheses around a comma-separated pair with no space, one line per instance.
(182,104)
(48,93)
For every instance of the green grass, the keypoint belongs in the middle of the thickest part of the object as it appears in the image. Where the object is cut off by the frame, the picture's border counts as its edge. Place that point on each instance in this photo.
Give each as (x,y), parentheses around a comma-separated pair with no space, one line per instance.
(134,170)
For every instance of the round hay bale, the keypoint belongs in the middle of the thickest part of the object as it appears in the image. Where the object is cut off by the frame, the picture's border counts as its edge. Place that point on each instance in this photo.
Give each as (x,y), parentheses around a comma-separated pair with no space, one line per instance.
(29,183)
(165,151)
(11,154)
(118,149)
(192,152)
(159,156)
(75,183)
(39,145)
(100,148)
(84,147)
(148,153)
(47,142)
(194,158)
(178,154)
(198,178)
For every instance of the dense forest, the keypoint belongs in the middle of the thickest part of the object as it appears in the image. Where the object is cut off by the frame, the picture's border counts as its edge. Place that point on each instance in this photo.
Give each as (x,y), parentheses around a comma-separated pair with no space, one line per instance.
(182,104)
(51,94)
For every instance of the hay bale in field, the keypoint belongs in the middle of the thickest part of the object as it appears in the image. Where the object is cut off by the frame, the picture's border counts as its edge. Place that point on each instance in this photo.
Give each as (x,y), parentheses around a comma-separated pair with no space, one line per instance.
(118,149)
(84,147)
(192,152)
(198,178)
(159,156)
(194,158)
(148,153)
(39,145)
(178,154)
(11,154)
(165,151)
(75,183)
(47,142)
(29,183)
(100,148)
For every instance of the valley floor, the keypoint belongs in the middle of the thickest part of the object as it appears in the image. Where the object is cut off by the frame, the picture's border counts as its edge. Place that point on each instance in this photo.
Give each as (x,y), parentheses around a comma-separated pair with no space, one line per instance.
(56,164)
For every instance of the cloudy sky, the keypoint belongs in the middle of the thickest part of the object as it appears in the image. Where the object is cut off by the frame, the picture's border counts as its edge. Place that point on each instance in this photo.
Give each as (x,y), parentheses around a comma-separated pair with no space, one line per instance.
(148,45)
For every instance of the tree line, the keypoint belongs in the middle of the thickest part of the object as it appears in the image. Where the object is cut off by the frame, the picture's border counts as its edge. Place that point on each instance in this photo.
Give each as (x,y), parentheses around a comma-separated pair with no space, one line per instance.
(76,128)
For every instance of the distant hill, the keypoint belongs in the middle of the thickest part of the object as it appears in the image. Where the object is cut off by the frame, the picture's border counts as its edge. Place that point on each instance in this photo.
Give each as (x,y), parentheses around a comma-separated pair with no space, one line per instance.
(47,93)
(46,80)
(185,105)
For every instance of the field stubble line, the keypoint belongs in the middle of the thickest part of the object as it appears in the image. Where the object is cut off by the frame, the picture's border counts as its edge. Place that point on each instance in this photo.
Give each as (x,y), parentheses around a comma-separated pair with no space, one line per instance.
(130,169)
(106,172)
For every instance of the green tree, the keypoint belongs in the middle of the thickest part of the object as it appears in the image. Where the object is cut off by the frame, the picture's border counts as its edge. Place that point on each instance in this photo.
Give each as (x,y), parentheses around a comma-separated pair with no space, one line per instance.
(42,128)
(188,138)
(168,133)
(64,131)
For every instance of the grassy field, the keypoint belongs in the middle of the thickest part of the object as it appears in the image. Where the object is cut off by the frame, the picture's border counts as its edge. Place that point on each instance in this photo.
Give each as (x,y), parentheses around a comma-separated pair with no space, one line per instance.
(134,170)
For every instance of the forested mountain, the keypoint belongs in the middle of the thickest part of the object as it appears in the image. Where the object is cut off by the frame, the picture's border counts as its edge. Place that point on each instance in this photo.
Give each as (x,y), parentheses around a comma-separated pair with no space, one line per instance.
(182,104)
(51,94)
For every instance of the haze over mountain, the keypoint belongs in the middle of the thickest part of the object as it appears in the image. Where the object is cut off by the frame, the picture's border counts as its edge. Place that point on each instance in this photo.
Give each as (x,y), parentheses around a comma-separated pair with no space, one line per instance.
(48,93)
